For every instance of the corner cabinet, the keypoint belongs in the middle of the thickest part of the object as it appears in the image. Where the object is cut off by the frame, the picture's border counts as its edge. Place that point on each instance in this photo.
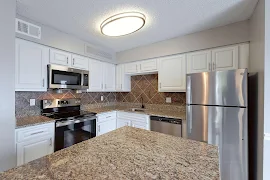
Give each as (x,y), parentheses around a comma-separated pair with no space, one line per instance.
(34,142)
(31,66)
(172,74)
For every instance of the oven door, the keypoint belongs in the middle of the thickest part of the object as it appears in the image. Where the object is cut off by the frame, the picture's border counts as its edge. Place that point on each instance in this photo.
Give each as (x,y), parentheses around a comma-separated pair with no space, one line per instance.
(62,77)
(70,132)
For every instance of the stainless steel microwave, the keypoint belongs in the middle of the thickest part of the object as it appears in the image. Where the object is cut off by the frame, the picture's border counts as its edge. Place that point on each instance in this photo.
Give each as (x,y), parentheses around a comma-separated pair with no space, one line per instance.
(62,77)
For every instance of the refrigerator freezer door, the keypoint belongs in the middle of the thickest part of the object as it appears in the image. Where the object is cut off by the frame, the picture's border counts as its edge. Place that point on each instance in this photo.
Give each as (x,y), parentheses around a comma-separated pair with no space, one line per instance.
(222,88)
(225,127)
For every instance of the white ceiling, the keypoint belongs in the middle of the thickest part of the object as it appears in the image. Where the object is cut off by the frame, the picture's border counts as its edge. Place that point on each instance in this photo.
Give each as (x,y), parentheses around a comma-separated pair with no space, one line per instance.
(165,19)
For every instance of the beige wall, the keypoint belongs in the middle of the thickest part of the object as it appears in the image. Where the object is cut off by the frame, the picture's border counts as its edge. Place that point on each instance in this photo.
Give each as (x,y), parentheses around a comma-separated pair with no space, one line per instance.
(7,80)
(257,49)
(221,36)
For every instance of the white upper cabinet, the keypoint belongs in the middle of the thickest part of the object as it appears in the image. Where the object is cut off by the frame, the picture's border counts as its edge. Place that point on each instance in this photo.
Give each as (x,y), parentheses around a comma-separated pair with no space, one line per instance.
(225,58)
(108,77)
(172,74)
(123,81)
(101,76)
(31,66)
(95,75)
(60,57)
(79,62)
(131,68)
(199,62)
(148,66)
(141,67)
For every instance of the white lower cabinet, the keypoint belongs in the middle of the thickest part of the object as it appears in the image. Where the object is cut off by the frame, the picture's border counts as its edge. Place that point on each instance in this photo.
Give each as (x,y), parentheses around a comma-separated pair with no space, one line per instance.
(34,142)
(106,122)
(121,122)
(133,119)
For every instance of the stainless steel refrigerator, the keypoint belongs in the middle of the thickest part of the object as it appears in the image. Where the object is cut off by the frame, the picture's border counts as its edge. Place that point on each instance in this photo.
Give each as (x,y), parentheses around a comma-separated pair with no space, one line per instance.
(217,114)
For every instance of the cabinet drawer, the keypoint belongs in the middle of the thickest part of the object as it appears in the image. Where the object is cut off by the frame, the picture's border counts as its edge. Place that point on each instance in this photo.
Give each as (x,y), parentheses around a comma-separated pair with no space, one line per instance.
(30,133)
(106,117)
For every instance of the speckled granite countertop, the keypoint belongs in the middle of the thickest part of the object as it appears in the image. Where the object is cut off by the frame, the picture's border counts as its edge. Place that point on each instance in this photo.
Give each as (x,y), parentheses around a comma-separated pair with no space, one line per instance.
(126,153)
(36,120)
(154,112)
(32,120)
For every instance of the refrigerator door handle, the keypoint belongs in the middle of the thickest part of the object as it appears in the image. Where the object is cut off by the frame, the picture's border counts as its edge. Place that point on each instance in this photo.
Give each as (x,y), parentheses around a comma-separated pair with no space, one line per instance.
(190,119)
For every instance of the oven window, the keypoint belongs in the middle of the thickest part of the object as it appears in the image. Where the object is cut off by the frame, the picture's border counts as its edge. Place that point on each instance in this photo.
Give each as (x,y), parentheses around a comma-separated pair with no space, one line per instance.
(66,78)
(69,135)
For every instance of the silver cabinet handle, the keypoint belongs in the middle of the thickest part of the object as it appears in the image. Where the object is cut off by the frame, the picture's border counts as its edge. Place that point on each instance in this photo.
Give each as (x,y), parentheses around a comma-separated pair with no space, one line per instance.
(101,86)
(209,64)
(36,133)
(43,82)
(121,86)
(136,67)
(140,67)
(50,141)
(73,61)
(108,116)
(214,66)
(98,128)
(67,60)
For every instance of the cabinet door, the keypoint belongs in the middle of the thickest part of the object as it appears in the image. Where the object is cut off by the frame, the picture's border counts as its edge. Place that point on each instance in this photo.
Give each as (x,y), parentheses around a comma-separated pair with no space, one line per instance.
(123,81)
(122,122)
(139,125)
(31,66)
(106,126)
(131,68)
(225,58)
(79,62)
(118,77)
(60,57)
(148,66)
(199,62)
(109,76)
(172,74)
(31,150)
(96,75)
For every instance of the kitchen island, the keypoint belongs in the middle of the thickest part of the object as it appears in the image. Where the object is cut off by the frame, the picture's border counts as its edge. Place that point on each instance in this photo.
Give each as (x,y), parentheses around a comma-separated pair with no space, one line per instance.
(126,153)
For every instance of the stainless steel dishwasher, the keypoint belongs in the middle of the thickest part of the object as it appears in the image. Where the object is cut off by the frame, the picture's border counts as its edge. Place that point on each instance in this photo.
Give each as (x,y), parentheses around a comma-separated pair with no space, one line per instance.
(166,125)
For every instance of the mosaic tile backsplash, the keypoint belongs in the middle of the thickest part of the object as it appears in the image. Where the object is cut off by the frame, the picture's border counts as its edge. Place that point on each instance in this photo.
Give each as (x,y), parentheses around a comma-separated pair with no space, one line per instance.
(146,87)
(23,108)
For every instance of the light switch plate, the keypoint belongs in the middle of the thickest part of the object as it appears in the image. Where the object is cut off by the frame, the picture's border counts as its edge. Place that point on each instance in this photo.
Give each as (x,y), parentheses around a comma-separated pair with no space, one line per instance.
(32,102)
(168,100)
(101,98)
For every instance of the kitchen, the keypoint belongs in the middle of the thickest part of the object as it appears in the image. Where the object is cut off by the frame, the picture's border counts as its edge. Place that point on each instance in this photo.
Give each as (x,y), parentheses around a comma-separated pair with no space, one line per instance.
(72,76)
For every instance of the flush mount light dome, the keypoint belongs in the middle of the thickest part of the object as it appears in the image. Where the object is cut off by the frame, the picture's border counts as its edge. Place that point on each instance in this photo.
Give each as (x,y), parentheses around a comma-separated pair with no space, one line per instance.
(123,24)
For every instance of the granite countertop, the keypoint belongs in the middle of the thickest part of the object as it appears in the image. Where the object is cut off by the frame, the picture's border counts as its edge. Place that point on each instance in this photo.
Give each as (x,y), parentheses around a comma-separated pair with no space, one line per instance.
(32,120)
(36,120)
(153,112)
(126,153)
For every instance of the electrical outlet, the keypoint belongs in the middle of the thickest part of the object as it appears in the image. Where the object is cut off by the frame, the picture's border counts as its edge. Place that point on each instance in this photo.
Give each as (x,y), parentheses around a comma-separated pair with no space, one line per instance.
(101,98)
(168,100)
(32,102)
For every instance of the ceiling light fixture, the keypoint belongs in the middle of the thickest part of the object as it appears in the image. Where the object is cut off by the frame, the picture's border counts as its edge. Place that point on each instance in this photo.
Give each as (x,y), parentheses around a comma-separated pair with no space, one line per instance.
(123,24)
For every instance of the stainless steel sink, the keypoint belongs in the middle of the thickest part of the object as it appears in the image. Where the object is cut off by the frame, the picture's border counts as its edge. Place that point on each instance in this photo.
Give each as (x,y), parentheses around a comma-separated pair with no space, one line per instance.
(137,109)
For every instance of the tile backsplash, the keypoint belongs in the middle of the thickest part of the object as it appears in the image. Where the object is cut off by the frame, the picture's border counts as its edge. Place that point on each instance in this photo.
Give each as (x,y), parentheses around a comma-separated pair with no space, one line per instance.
(146,86)
(23,108)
